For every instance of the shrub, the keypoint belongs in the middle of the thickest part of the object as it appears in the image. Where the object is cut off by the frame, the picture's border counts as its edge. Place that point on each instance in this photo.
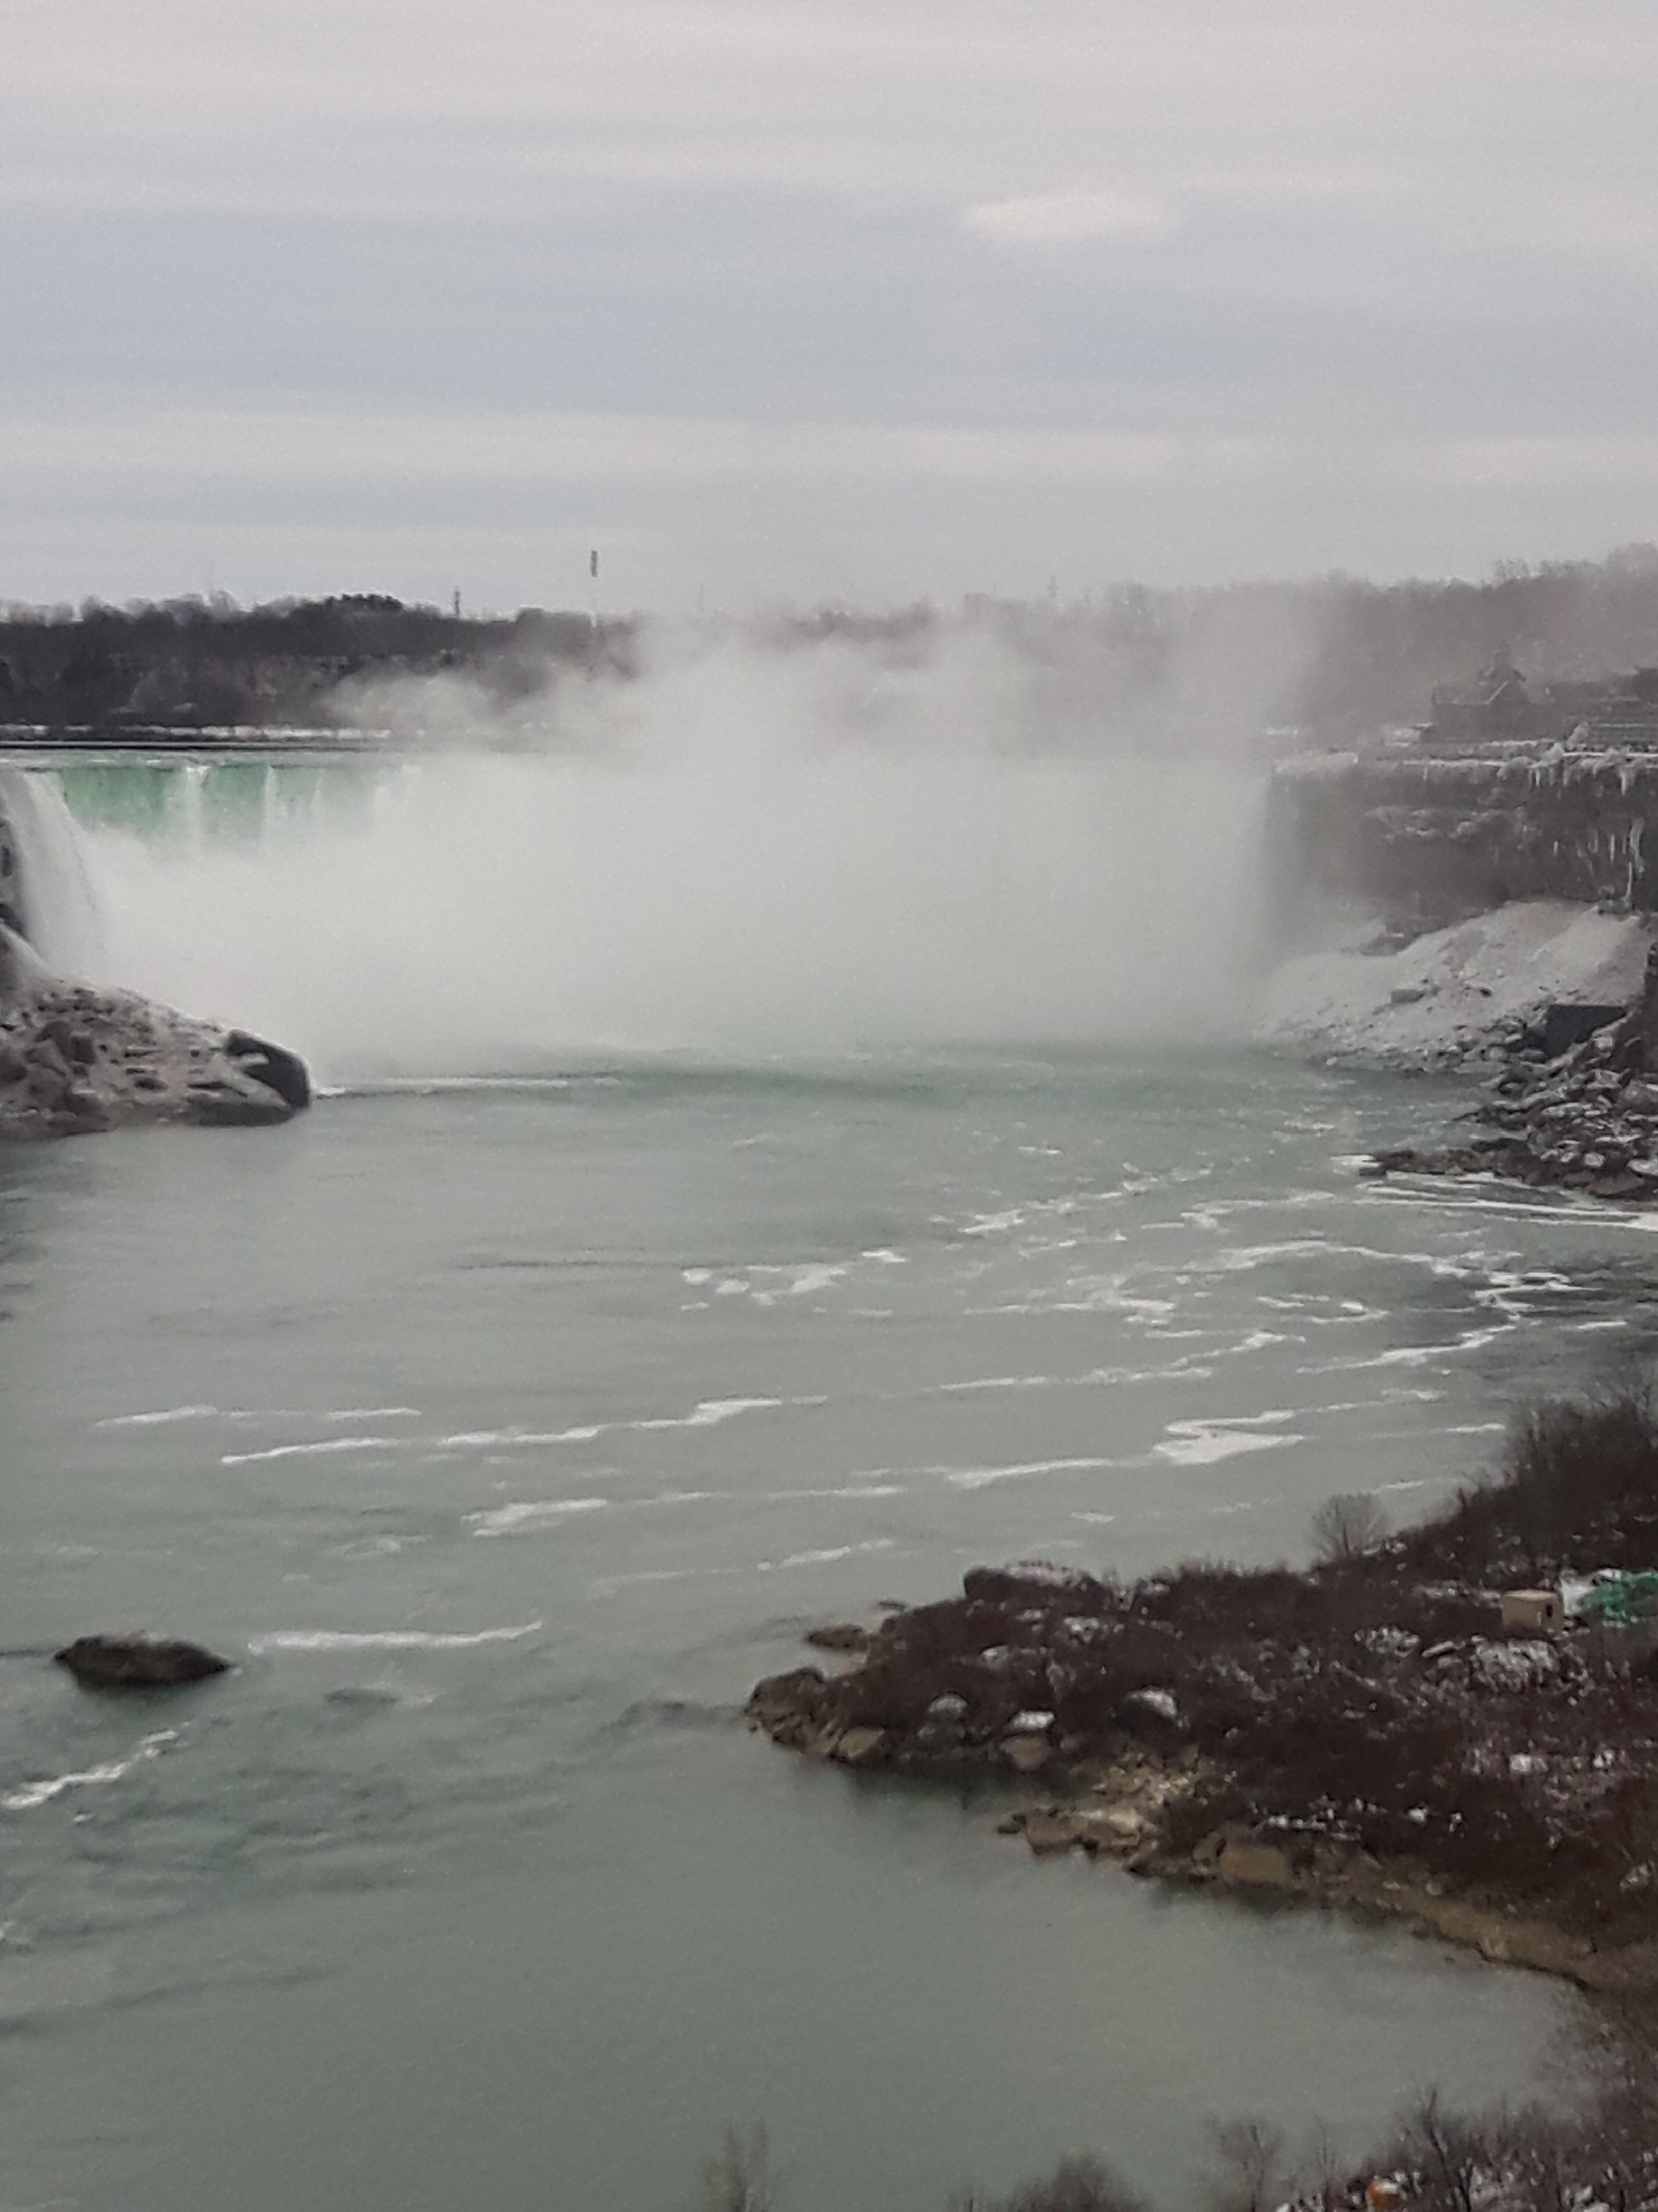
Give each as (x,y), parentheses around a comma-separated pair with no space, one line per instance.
(1578,1485)
(738,2178)
(1076,2185)
(1248,2165)
(1347,1526)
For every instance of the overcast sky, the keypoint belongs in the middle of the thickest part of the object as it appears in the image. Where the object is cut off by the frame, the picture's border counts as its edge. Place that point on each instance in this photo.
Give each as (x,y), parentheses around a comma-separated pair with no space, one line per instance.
(864,299)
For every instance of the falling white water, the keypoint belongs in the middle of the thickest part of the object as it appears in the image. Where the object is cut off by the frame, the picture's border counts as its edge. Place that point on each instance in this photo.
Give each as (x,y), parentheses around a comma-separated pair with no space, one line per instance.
(737,869)
(64,920)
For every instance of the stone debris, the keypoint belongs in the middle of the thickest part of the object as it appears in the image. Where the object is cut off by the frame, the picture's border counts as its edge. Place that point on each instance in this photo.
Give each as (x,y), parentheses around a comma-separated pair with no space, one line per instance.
(1586,1121)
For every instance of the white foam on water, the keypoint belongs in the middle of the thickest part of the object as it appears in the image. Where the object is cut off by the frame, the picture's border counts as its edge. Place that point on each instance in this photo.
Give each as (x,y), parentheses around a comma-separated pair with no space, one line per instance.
(1014,1383)
(1201,1443)
(978,1478)
(323,1447)
(387,1639)
(505,1520)
(826,1556)
(709,1413)
(161,1420)
(33,1794)
(1419,1355)
(498,1439)
(712,1411)
(841,1490)
(802,1278)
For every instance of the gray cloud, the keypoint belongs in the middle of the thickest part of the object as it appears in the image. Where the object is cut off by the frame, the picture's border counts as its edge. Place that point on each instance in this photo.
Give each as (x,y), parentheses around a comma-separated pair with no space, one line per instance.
(902,296)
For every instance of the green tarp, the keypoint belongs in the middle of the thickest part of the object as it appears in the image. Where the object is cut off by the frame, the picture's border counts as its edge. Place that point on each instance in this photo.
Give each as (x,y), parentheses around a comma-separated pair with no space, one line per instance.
(1622,1603)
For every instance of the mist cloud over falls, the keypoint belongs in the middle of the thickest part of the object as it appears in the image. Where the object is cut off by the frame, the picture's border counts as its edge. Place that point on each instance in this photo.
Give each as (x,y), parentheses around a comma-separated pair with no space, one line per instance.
(739,855)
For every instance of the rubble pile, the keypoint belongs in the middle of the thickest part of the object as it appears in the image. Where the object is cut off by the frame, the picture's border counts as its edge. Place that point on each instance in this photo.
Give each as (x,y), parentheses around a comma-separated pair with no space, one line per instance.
(1585,1121)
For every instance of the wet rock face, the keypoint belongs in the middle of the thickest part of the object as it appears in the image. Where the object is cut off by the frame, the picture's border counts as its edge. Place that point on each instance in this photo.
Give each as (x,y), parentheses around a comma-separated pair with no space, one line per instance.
(74,1060)
(138,1663)
(1434,838)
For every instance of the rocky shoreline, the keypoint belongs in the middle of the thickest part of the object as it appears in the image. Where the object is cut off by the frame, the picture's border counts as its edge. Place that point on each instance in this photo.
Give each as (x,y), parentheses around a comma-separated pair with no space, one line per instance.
(1585,1120)
(1134,1807)
(1368,1736)
(1553,1007)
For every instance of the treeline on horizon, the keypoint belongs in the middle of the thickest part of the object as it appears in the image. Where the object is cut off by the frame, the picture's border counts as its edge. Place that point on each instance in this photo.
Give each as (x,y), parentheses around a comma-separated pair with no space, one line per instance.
(1337,656)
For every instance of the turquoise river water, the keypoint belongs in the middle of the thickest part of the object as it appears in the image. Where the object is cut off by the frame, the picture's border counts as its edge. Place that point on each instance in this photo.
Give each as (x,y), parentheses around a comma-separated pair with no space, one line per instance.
(504,1427)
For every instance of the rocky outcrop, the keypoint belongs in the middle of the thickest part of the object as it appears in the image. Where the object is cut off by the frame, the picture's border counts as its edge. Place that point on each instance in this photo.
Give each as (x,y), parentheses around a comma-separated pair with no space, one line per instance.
(75,1060)
(1366,1735)
(1585,1121)
(1432,839)
(839,1636)
(138,1663)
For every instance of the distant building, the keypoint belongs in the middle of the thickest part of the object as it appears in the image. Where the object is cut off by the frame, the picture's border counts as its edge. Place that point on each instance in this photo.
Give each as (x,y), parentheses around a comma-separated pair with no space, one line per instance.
(1500,706)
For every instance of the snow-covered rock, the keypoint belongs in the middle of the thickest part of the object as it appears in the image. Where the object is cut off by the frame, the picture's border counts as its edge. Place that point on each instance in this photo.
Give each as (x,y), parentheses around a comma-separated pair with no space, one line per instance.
(1452,997)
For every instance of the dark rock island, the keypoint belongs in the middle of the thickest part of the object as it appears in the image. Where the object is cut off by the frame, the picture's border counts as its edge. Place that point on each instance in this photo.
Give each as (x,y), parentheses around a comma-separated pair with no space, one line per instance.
(137,1661)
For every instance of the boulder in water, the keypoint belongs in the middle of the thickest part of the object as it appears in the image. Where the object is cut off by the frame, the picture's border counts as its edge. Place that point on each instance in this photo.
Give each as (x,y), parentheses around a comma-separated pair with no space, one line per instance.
(272,1065)
(840,1636)
(137,1662)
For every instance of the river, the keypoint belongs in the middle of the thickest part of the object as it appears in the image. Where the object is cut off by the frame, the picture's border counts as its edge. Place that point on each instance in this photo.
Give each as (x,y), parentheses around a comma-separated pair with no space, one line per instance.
(504,1425)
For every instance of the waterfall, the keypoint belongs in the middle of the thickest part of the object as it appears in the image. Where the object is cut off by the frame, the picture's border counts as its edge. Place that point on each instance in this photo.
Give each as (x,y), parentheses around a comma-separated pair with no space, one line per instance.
(45,890)
(472,913)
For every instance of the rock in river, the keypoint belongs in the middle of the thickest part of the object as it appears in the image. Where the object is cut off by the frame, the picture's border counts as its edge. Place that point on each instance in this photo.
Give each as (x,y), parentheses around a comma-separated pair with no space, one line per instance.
(137,1662)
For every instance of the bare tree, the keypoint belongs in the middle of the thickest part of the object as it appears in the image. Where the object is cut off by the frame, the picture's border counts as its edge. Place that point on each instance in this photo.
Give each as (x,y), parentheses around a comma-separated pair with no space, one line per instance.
(1076,2185)
(739,2177)
(1449,2154)
(1248,2171)
(1347,1526)
(1322,2174)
